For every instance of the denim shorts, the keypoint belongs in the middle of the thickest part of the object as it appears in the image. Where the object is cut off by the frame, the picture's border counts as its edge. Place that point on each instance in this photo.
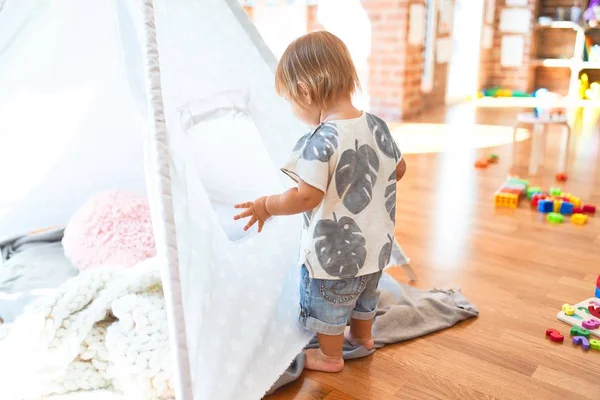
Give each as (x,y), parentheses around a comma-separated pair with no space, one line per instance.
(326,305)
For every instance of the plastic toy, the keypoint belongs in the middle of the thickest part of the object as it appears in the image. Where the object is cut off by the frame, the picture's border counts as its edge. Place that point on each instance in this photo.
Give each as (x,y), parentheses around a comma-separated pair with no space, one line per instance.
(481,163)
(545,206)
(595,344)
(562,177)
(579,219)
(555,335)
(568,309)
(577,331)
(566,208)
(557,205)
(577,210)
(577,320)
(533,190)
(555,218)
(590,324)
(585,344)
(589,209)
(597,291)
(506,200)
(493,158)
(573,199)
(510,193)
(535,199)
(554,191)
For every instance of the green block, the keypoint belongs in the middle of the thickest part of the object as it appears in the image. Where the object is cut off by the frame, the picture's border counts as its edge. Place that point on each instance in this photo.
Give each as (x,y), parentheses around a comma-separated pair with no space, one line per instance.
(555,218)
(577,331)
(554,191)
(532,190)
(493,156)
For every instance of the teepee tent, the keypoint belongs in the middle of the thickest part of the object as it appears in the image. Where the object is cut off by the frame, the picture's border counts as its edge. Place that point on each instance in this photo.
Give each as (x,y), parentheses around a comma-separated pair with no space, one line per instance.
(174,97)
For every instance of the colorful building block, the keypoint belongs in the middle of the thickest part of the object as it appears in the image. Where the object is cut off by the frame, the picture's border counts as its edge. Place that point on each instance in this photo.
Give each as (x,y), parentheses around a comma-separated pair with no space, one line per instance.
(562,177)
(597,293)
(533,190)
(493,158)
(566,208)
(573,199)
(595,344)
(555,218)
(579,219)
(577,210)
(557,204)
(578,331)
(506,200)
(535,199)
(554,191)
(545,206)
(589,209)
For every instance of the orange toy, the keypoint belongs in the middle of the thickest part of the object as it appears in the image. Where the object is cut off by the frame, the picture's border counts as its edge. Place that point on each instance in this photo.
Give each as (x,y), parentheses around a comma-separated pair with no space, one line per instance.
(562,177)
(481,163)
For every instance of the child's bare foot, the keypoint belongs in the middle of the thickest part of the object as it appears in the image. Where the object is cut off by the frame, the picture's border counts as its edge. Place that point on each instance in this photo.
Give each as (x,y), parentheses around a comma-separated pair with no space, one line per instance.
(317,361)
(367,343)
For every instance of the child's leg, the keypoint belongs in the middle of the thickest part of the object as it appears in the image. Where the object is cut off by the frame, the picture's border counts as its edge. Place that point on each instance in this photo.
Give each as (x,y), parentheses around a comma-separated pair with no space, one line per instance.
(328,357)
(361,323)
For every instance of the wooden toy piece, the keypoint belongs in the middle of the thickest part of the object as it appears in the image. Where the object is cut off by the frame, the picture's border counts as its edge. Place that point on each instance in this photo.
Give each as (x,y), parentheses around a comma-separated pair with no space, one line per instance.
(555,335)
(554,191)
(585,344)
(506,200)
(595,311)
(566,208)
(595,344)
(585,310)
(577,210)
(481,163)
(493,158)
(590,324)
(577,331)
(562,177)
(545,206)
(556,205)
(568,309)
(555,218)
(589,209)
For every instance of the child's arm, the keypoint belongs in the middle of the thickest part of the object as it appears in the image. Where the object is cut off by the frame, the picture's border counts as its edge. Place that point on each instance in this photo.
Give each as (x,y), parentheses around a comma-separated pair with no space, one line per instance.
(294,201)
(400,169)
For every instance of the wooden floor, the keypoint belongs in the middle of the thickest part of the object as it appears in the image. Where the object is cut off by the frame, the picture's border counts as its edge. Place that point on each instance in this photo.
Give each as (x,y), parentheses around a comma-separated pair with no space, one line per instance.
(516,268)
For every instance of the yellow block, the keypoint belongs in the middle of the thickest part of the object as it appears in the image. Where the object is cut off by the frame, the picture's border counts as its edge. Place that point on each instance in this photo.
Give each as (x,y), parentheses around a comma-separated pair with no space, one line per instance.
(568,309)
(557,204)
(579,219)
(506,200)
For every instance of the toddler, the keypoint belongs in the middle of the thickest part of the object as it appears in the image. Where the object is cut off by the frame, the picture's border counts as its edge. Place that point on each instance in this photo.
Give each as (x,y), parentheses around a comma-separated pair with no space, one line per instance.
(346,170)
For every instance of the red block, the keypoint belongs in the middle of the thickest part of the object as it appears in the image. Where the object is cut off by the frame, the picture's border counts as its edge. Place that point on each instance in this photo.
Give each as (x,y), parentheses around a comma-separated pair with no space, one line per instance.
(577,210)
(589,209)
(562,177)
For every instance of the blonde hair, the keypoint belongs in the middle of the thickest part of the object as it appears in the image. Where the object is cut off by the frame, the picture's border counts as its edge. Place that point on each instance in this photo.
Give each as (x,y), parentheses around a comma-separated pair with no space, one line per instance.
(322,62)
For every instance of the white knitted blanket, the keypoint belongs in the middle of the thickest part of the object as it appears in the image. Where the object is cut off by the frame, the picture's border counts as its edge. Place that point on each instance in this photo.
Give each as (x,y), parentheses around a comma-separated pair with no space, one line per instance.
(105,328)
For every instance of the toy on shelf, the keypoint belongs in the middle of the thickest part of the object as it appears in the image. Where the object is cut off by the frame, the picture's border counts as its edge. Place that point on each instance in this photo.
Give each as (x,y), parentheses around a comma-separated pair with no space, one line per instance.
(592,14)
(510,193)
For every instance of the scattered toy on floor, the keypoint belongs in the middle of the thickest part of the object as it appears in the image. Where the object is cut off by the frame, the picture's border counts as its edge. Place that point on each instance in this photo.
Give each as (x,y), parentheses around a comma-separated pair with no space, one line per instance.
(579,219)
(589,209)
(481,163)
(555,218)
(555,335)
(493,158)
(578,331)
(568,309)
(561,177)
(595,344)
(581,340)
(510,193)
(590,324)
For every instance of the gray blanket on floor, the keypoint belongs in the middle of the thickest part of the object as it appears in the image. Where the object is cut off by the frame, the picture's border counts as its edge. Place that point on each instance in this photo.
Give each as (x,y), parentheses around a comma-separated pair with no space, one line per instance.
(404,313)
(30,266)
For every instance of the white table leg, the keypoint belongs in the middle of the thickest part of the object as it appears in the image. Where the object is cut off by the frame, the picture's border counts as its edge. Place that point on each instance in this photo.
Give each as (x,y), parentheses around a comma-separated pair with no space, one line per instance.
(534,152)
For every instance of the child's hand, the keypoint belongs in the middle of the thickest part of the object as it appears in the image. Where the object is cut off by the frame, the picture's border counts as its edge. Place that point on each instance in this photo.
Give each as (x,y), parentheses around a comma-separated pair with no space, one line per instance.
(257,211)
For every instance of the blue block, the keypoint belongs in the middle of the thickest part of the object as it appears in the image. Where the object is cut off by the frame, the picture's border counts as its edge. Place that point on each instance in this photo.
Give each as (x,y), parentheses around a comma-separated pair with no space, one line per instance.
(566,208)
(597,294)
(545,206)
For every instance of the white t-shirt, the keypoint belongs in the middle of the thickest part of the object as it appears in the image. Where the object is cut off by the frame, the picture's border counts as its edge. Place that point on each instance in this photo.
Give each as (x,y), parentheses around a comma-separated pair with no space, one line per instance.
(353,162)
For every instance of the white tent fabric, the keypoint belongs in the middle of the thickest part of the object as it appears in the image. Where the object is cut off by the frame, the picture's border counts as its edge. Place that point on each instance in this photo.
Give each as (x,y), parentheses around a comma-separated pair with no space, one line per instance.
(174,97)
(73,118)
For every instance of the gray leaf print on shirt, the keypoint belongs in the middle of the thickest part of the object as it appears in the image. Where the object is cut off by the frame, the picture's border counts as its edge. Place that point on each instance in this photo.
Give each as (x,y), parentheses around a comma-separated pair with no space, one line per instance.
(390,197)
(340,247)
(355,177)
(301,142)
(385,254)
(321,144)
(383,137)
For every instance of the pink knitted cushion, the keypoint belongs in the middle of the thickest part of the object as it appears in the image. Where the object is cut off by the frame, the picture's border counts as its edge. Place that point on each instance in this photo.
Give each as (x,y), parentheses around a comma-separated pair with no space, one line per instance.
(112,228)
